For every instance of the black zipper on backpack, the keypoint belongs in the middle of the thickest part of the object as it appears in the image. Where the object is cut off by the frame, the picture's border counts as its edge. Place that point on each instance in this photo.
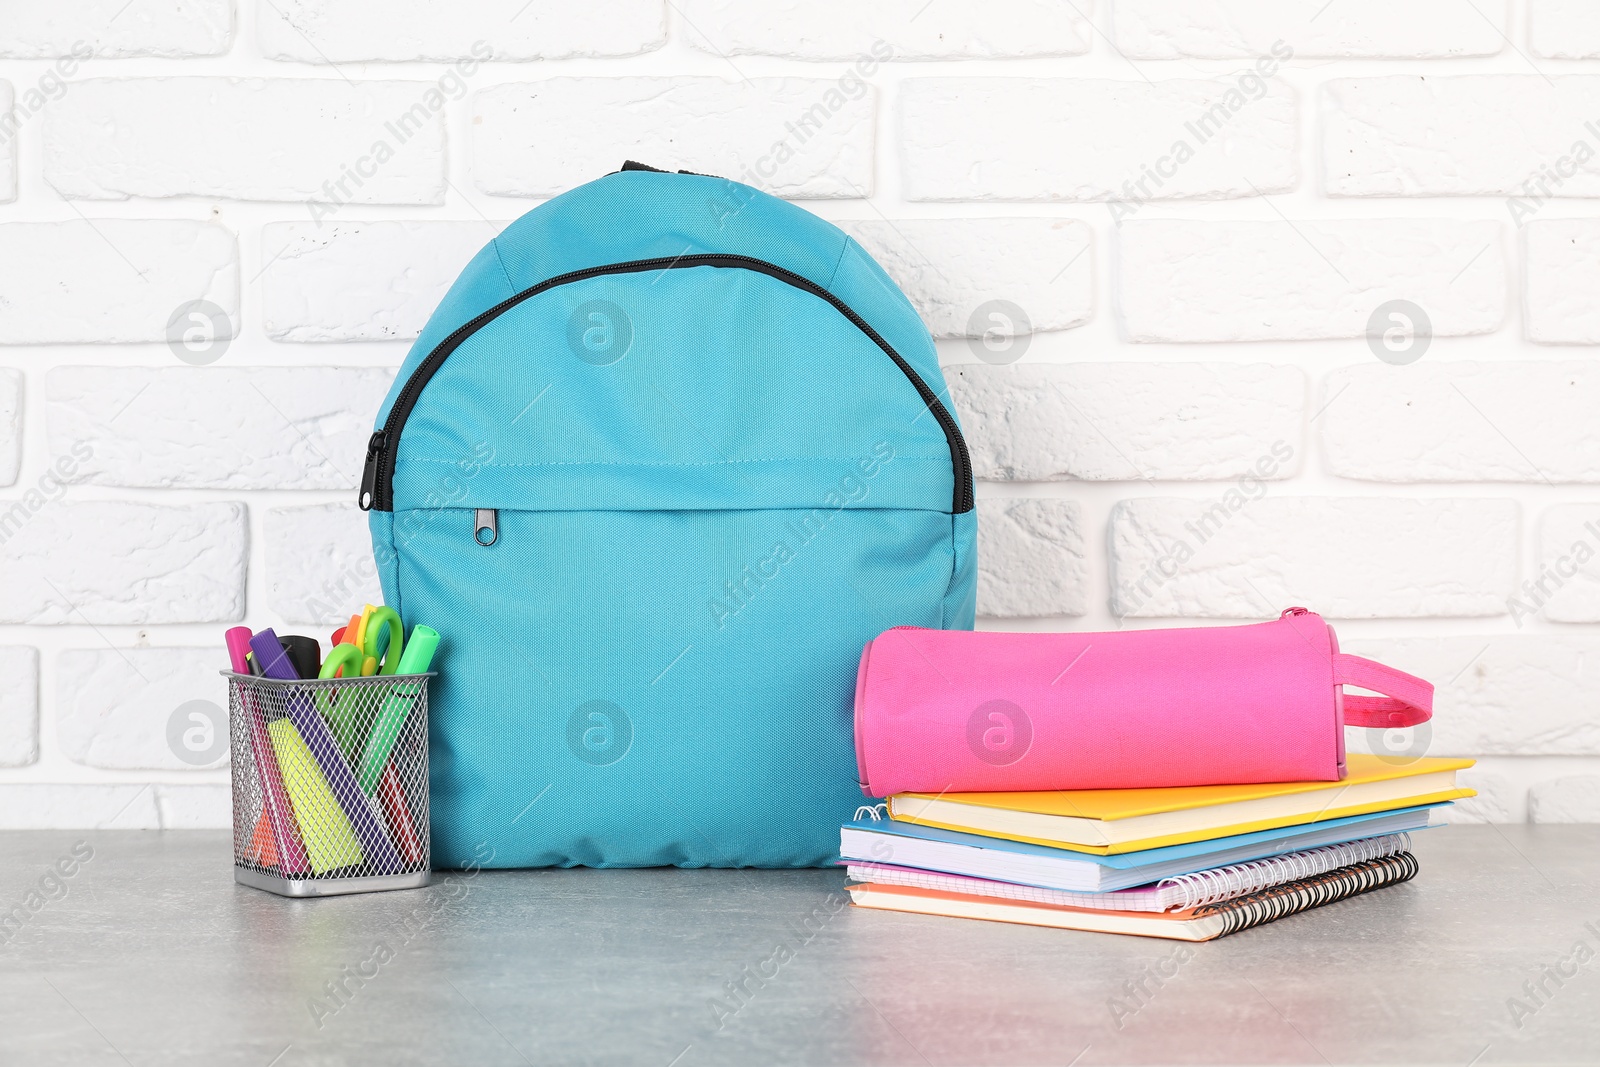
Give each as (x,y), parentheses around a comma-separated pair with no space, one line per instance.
(377,476)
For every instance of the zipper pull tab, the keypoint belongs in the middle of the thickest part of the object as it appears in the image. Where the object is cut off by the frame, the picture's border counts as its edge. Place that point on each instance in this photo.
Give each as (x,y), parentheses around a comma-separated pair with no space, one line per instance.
(1294,611)
(485,526)
(369,471)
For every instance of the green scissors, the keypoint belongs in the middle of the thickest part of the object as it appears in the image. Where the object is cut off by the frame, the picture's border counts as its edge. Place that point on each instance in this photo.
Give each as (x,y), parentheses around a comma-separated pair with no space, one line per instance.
(342,715)
(341,720)
(385,620)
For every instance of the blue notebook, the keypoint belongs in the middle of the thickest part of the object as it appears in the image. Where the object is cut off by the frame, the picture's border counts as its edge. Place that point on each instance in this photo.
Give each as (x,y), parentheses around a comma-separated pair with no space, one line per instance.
(931,849)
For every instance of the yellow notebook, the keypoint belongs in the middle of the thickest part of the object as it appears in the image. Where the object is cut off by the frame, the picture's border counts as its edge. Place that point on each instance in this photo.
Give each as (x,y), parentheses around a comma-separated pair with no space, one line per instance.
(1113,821)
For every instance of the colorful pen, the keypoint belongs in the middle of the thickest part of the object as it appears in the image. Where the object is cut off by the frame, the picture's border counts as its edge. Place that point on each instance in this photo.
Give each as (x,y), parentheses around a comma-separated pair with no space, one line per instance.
(393,796)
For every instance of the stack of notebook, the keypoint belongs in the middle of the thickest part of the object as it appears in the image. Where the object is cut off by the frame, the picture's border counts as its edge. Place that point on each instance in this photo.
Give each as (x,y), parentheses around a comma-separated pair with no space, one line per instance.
(1191,863)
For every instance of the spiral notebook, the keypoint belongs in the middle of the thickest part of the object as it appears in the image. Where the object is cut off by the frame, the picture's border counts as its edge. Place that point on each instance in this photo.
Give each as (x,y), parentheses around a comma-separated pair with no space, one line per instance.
(1204,923)
(904,844)
(1179,893)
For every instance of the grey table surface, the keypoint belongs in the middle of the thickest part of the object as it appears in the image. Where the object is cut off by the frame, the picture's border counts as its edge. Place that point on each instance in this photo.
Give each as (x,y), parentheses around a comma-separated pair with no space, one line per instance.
(150,954)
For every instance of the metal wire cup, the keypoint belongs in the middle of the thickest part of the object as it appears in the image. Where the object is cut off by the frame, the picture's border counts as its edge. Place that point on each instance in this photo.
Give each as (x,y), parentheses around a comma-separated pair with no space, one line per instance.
(330,783)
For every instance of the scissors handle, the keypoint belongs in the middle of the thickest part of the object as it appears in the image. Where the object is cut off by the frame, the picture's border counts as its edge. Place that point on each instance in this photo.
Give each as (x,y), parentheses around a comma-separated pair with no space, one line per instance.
(385,619)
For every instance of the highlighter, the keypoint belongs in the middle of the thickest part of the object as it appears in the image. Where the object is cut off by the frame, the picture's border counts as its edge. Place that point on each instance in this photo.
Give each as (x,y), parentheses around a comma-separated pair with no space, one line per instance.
(237,639)
(392,715)
(327,833)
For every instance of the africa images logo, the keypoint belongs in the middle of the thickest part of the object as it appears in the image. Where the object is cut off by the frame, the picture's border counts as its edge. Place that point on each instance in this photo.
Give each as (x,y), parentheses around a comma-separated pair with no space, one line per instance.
(599,733)
(999,732)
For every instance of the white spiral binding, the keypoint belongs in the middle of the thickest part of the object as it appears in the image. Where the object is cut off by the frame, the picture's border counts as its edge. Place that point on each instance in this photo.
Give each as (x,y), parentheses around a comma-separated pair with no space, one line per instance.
(1235,880)
(875,812)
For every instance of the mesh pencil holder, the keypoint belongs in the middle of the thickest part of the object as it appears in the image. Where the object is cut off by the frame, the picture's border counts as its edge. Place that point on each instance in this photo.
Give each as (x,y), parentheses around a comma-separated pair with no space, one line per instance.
(330,783)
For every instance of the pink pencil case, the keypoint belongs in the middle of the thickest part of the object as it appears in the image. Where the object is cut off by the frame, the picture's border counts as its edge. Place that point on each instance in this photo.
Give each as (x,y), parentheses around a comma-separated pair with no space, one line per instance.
(958,711)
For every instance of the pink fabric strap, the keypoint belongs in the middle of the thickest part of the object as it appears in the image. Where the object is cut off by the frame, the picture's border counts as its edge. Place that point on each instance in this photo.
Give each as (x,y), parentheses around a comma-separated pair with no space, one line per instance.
(1407,700)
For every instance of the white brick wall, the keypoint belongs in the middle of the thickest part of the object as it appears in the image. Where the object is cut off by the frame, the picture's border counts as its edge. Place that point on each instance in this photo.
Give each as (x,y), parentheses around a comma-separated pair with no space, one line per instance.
(1031,558)
(1562,258)
(10,424)
(1476,134)
(1574,799)
(116,28)
(1498,798)
(360,281)
(1530,421)
(110,562)
(1091,139)
(338,142)
(1151,249)
(844,29)
(1510,695)
(1239,29)
(260,427)
(116,706)
(1566,584)
(1234,556)
(541,138)
(951,268)
(1299,281)
(338,31)
(1564,29)
(161,806)
(111,280)
(19,706)
(1134,421)
(8,146)
(319,563)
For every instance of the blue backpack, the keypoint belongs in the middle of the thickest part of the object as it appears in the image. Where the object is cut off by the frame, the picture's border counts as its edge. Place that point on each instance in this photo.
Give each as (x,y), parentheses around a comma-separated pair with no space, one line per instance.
(668,454)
